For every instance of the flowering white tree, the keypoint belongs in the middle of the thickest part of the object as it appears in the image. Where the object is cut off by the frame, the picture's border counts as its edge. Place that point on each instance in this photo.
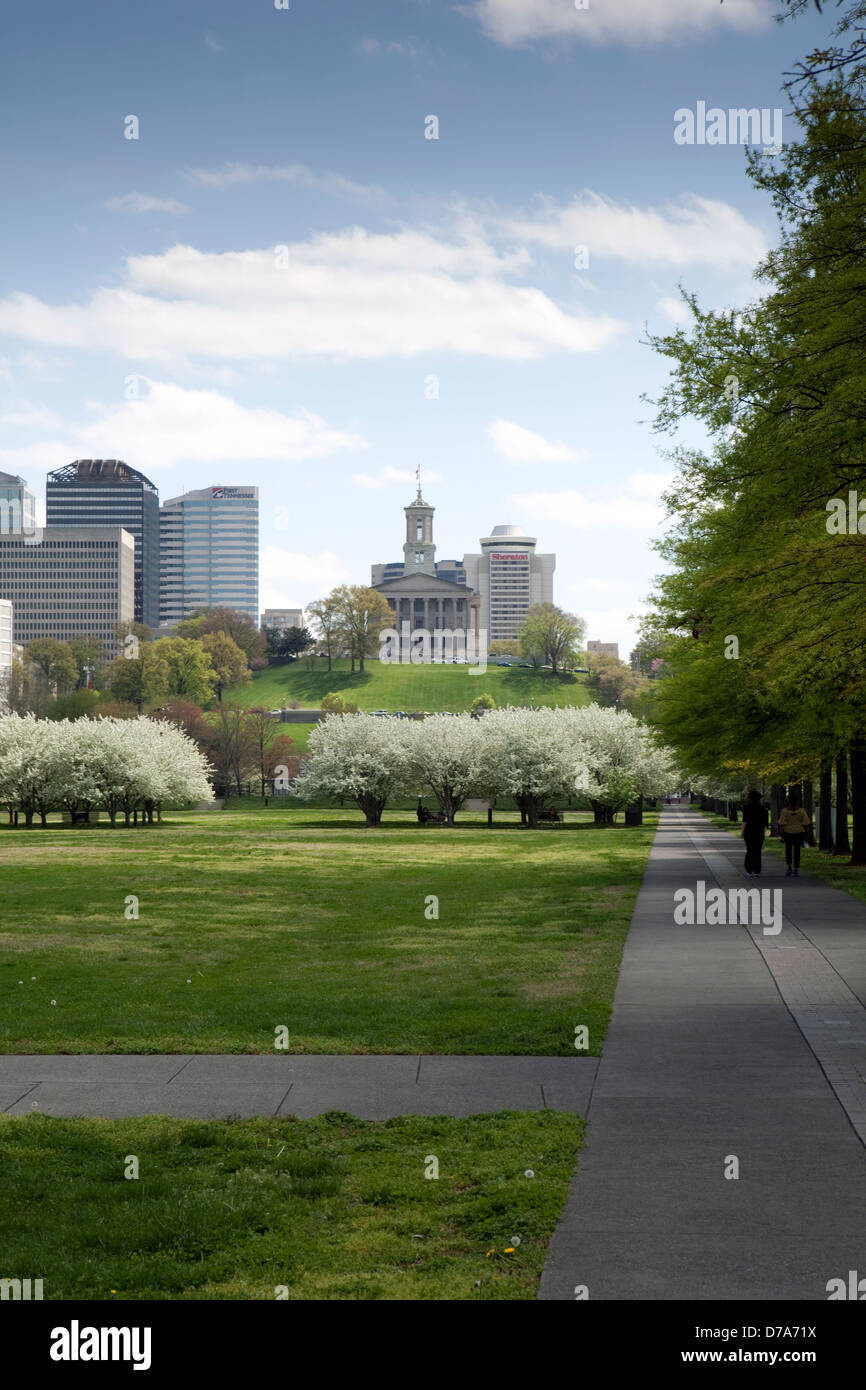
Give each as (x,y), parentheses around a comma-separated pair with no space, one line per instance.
(623,758)
(85,763)
(31,765)
(446,755)
(358,756)
(534,756)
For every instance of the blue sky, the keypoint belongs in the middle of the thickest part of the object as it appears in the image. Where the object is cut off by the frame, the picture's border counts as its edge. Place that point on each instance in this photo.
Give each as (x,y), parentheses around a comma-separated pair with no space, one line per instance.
(146,314)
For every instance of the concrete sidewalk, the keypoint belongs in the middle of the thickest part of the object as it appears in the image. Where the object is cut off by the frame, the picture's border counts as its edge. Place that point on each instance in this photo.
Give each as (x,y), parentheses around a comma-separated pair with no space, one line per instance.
(373,1088)
(712,1055)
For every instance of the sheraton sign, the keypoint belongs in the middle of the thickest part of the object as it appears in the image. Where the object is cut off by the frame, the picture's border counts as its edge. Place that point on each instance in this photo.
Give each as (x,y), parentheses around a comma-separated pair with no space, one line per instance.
(509,555)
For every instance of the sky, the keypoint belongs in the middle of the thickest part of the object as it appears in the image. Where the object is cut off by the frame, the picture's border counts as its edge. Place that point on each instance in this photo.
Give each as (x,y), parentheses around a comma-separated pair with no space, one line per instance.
(284,280)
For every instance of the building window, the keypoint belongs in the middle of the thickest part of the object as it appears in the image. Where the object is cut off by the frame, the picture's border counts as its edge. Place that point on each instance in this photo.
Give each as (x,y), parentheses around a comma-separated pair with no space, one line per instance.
(419,557)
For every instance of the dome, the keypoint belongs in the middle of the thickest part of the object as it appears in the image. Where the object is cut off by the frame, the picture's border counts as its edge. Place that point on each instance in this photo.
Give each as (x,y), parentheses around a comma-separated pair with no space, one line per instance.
(508,531)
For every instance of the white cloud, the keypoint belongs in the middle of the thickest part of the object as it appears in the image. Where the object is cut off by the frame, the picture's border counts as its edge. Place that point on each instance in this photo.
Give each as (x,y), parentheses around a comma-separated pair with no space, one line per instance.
(232,174)
(387,475)
(674,309)
(636,507)
(690,230)
(351,295)
(146,202)
(520,445)
(632,22)
(212,45)
(170,425)
(596,586)
(291,578)
(408,48)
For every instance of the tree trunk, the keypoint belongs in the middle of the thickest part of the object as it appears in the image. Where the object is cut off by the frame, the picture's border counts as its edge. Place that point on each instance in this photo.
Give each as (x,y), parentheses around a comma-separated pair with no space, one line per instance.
(825,826)
(28,817)
(634,813)
(809,797)
(733,813)
(858,798)
(776,794)
(842,844)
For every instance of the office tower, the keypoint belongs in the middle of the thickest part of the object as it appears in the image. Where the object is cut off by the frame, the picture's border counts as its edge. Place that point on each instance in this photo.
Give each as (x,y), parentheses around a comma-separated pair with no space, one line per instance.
(209,552)
(510,577)
(604,648)
(77,582)
(5,647)
(17,506)
(107,492)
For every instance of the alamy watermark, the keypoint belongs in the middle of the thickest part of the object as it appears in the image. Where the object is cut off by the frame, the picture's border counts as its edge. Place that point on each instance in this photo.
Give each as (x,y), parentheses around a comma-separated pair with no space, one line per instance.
(418,647)
(12,522)
(738,906)
(739,125)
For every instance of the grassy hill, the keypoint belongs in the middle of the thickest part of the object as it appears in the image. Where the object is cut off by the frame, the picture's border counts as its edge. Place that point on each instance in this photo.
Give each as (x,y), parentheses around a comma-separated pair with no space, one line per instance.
(407,687)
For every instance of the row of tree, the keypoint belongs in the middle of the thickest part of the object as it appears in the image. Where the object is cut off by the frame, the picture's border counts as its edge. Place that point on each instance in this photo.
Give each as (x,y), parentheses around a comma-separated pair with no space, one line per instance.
(761,622)
(119,765)
(537,757)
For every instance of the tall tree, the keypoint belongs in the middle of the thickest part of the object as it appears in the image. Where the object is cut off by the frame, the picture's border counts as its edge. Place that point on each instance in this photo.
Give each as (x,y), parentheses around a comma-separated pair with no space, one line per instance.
(548,635)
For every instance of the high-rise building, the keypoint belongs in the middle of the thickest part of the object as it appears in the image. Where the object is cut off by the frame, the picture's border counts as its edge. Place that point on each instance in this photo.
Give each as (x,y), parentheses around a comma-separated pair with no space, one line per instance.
(604,648)
(209,552)
(77,582)
(510,577)
(107,492)
(17,506)
(5,647)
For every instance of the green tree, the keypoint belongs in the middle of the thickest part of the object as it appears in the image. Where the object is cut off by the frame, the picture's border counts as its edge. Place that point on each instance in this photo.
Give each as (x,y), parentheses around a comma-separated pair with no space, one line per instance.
(549,635)
(228,662)
(363,613)
(327,617)
(55,662)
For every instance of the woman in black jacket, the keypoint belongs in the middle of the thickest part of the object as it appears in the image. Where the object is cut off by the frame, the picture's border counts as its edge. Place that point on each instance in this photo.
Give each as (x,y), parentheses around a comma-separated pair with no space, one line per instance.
(755,822)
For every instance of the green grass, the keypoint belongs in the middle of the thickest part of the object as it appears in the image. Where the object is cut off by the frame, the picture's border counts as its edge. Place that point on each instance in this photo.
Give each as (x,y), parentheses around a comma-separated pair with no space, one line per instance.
(829,868)
(253,920)
(330,1208)
(394,687)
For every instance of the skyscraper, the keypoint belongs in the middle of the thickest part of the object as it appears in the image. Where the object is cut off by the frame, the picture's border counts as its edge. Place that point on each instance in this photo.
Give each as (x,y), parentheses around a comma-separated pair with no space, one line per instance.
(77,582)
(510,577)
(107,492)
(209,552)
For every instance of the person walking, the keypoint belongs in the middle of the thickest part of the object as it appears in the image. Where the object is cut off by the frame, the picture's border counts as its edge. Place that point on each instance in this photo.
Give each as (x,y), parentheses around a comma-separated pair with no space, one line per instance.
(793,825)
(755,822)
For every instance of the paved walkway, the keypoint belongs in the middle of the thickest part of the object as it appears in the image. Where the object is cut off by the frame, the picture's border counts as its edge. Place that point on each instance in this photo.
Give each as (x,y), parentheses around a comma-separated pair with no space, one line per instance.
(725,1043)
(373,1088)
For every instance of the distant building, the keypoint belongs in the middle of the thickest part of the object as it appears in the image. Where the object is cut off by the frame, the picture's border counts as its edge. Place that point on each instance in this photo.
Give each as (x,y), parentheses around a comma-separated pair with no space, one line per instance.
(209,552)
(17,506)
(282,618)
(6,645)
(418,590)
(77,582)
(604,648)
(107,492)
(510,578)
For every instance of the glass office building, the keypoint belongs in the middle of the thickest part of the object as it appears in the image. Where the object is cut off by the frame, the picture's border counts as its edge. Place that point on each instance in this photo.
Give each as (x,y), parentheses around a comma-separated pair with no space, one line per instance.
(107,492)
(209,552)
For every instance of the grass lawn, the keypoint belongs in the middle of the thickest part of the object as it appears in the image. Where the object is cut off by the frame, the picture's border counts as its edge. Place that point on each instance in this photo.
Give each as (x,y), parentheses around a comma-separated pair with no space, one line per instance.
(254,920)
(408,687)
(328,1208)
(830,868)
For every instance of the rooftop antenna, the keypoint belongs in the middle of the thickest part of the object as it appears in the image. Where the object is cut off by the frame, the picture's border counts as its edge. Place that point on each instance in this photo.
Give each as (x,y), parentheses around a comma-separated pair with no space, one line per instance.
(418,478)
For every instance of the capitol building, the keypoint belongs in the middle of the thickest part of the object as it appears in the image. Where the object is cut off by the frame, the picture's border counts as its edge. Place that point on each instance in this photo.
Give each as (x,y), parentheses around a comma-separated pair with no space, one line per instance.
(490,591)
